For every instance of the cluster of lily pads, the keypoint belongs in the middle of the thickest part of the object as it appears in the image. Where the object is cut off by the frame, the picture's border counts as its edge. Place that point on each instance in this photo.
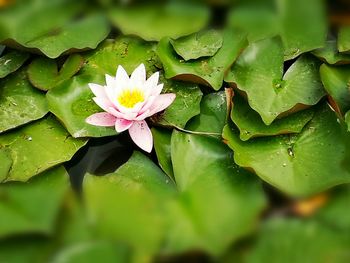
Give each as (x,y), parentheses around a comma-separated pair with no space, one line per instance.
(262,110)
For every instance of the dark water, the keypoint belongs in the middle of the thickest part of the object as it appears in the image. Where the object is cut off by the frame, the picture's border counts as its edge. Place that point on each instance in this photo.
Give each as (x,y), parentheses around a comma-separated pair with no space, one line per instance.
(99,156)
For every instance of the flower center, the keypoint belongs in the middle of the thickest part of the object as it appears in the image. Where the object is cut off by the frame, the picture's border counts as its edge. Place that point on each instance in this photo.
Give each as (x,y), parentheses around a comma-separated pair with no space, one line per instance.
(128,98)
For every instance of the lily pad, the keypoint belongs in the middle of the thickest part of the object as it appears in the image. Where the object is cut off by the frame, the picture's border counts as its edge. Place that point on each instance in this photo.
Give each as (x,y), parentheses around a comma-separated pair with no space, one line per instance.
(162,140)
(209,71)
(38,146)
(6,163)
(32,207)
(153,22)
(331,55)
(90,252)
(301,241)
(185,106)
(12,61)
(209,184)
(336,81)
(201,44)
(20,103)
(250,124)
(134,191)
(288,162)
(344,39)
(72,101)
(303,26)
(259,73)
(83,34)
(44,74)
(259,22)
(54,29)
(213,115)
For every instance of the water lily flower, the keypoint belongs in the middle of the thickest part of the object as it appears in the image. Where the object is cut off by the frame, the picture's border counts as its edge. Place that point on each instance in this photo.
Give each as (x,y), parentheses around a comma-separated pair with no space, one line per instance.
(127,102)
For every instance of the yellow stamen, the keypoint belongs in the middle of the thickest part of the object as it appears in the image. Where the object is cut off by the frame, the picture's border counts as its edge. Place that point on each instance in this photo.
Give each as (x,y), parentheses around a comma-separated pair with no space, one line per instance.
(128,98)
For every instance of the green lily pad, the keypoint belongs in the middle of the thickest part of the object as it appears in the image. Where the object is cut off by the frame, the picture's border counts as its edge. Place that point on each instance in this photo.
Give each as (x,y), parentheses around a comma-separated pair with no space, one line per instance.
(54,29)
(44,74)
(153,22)
(259,73)
(134,192)
(185,106)
(303,26)
(211,189)
(12,61)
(298,241)
(83,34)
(76,94)
(344,39)
(209,71)
(162,140)
(32,207)
(6,163)
(20,103)
(336,81)
(250,124)
(288,162)
(90,252)
(259,22)
(331,55)
(333,213)
(213,115)
(38,146)
(201,44)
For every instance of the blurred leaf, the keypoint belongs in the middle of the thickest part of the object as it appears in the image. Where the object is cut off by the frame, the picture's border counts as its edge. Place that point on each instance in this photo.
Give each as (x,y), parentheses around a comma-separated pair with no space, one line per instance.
(153,22)
(335,212)
(218,202)
(125,205)
(12,61)
(32,250)
(331,55)
(259,22)
(201,44)
(32,207)
(208,71)
(259,73)
(344,39)
(213,114)
(162,140)
(303,26)
(38,146)
(293,240)
(72,101)
(20,103)
(336,81)
(83,34)
(44,74)
(185,106)
(309,162)
(250,124)
(53,28)
(92,252)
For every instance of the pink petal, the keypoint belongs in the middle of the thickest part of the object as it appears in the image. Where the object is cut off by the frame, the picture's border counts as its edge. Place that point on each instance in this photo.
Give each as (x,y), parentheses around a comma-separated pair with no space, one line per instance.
(122,125)
(101,119)
(151,82)
(103,103)
(110,81)
(162,102)
(139,75)
(98,90)
(141,135)
(157,90)
(128,116)
(122,75)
